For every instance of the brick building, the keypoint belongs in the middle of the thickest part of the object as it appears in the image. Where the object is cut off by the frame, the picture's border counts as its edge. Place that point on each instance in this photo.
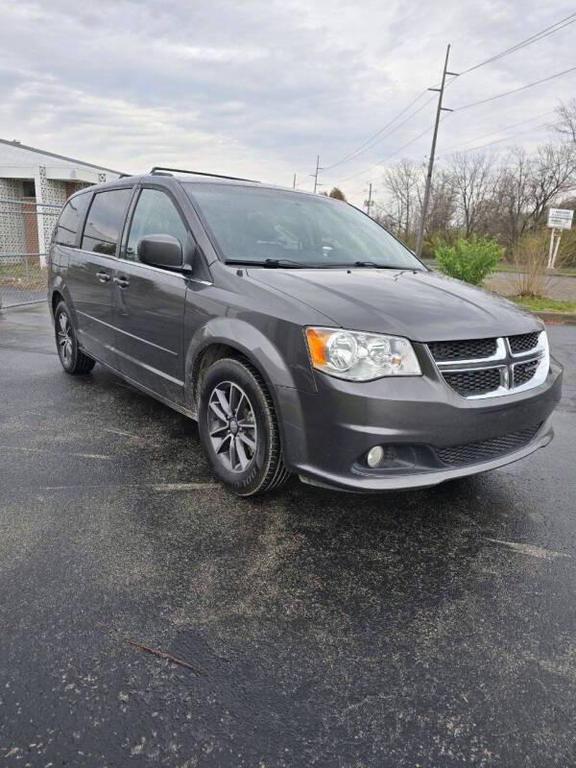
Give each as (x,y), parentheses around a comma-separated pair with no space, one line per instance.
(32,183)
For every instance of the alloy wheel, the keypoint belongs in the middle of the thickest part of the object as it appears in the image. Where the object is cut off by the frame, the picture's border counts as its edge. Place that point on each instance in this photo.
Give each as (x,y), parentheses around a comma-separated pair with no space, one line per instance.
(64,337)
(232,426)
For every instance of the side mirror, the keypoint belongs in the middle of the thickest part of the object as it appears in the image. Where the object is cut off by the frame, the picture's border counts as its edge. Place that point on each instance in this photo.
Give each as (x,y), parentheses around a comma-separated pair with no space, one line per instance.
(160,251)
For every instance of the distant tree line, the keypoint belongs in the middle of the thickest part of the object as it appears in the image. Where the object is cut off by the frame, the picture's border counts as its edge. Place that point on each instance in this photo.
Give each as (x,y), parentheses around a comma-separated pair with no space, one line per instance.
(474,194)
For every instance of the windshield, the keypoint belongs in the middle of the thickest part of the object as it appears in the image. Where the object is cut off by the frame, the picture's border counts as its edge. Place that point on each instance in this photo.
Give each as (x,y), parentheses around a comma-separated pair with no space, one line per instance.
(282,228)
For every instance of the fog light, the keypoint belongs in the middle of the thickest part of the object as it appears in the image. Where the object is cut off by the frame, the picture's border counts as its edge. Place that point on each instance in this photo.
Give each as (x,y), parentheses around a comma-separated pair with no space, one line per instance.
(374,456)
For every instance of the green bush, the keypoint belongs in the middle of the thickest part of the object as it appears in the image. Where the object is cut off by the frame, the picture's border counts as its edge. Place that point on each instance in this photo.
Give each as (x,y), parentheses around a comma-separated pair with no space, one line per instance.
(469,260)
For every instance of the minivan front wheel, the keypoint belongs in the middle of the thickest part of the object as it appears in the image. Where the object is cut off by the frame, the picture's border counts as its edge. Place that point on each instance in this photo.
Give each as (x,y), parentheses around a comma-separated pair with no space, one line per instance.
(73,360)
(239,429)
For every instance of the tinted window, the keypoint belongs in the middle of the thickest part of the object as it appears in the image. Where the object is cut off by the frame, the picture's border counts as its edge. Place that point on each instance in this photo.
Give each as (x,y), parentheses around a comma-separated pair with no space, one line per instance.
(70,221)
(104,222)
(255,224)
(155,214)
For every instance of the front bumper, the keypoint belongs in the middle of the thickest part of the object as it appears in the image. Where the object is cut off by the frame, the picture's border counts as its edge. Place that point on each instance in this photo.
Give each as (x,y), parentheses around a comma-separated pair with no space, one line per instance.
(327,433)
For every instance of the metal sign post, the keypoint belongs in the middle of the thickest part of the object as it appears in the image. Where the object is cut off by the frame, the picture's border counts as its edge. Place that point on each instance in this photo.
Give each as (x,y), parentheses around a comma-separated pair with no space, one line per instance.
(558,219)
(551,248)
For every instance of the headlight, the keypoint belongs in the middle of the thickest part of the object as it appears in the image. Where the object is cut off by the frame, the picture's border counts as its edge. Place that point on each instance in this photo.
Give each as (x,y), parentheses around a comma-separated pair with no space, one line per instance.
(360,356)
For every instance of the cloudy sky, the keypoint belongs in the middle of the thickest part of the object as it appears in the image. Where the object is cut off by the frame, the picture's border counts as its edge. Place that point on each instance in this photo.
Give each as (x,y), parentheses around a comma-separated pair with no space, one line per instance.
(259,87)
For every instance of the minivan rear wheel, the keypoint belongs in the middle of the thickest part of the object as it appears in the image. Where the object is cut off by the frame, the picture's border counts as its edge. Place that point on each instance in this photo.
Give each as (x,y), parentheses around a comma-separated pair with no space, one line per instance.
(73,360)
(239,429)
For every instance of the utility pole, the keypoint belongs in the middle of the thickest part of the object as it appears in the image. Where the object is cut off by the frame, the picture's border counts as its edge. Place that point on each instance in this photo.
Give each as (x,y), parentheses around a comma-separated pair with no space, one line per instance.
(316,172)
(294,182)
(369,202)
(428,186)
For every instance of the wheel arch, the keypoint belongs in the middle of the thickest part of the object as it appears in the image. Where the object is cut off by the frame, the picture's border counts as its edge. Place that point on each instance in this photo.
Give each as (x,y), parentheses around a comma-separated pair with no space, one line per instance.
(225,337)
(56,298)
(59,292)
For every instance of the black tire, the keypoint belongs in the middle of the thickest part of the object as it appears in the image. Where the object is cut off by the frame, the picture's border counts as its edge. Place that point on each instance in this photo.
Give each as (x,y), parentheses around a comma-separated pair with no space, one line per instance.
(72,359)
(252,414)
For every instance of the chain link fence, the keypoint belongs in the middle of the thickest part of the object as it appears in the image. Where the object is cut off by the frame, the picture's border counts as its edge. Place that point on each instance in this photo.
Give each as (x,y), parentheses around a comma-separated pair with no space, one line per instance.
(23,275)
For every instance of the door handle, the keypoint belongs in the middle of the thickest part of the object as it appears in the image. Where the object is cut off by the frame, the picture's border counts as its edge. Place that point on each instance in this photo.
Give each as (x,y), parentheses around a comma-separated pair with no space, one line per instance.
(103,277)
(122,282)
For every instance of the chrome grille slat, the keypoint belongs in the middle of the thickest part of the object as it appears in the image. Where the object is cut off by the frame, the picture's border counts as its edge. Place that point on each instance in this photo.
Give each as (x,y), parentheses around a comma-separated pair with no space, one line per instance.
(494,367)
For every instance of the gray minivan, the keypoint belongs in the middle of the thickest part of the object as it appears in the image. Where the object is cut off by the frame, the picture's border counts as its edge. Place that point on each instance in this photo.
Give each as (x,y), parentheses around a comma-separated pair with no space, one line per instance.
(300,334)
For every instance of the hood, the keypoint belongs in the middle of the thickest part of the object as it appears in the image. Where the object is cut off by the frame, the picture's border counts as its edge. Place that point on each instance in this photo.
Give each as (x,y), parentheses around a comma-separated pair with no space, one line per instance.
(422,306)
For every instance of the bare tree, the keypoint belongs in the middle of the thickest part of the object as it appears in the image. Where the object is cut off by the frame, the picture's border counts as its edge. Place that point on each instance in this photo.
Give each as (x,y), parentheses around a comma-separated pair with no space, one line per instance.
(527,186)
(565,123)
(402,182)
(442,205)
(507,200)
(472,178)
(512,192)
(553,173)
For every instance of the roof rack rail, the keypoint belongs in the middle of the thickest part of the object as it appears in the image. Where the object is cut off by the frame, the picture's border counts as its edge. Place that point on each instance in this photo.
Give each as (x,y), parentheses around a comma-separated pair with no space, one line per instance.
(160,170)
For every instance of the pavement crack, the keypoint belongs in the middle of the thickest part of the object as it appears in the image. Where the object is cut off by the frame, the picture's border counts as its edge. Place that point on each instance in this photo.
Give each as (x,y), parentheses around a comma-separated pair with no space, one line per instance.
(167,656)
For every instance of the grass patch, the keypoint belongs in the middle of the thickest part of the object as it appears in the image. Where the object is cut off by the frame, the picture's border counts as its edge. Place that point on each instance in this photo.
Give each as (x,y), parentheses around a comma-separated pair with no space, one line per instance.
(25,273)
(543,304)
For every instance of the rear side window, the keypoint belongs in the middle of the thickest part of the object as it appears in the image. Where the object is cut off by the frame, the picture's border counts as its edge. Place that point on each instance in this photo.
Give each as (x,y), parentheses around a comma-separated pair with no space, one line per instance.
(70,221)
(104,222)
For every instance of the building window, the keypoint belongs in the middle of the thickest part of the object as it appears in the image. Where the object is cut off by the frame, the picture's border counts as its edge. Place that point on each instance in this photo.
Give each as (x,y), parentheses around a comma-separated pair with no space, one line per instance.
(28,188)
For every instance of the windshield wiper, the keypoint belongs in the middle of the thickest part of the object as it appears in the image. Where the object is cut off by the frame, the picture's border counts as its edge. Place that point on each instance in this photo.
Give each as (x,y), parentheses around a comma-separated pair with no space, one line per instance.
(287,263)
(374,265)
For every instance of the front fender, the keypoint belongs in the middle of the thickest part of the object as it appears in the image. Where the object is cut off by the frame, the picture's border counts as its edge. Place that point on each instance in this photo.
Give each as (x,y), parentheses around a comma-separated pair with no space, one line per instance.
(279,369)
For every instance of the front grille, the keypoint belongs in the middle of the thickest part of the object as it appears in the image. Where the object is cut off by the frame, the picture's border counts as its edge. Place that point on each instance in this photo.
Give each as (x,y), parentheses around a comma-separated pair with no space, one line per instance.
(473,453)
(477,381)
(523,372)
(477,367)
(523,343)
(470,349)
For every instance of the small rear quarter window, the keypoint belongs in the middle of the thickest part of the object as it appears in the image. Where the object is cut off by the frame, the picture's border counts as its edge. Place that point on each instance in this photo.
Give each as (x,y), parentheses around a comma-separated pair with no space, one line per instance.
(104,221)
(70,221)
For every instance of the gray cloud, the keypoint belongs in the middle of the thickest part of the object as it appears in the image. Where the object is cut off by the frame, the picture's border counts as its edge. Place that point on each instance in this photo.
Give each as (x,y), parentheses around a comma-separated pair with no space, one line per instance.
(260,87)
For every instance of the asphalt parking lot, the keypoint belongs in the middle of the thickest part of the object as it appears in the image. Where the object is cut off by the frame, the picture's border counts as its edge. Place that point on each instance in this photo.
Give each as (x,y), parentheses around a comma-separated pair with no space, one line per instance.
(433,628)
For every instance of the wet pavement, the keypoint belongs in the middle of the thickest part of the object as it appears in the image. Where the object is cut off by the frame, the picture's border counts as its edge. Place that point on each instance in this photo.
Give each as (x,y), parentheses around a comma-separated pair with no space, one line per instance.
(433,628)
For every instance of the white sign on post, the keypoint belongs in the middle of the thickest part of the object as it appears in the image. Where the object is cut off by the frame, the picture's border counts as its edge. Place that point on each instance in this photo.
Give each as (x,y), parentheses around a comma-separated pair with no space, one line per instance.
(560,218)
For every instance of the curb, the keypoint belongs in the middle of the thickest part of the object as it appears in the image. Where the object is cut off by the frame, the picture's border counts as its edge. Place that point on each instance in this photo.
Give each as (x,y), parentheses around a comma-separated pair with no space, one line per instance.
(556,318)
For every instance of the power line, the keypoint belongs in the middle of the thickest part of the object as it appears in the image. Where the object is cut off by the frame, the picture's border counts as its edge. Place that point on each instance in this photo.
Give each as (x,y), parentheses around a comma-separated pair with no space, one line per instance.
(492,143)
(515,90)
(536,37)
(365,145)
(384,132)
(390,155)
(461,148)
(445,154)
